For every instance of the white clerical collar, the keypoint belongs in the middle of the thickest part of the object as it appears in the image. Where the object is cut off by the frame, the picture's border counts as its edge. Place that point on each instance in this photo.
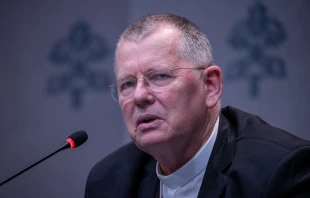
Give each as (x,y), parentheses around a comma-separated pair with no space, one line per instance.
(193,167)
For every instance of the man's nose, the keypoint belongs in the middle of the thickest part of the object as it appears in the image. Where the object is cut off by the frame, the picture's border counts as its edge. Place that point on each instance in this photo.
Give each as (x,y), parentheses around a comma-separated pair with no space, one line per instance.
(143,94)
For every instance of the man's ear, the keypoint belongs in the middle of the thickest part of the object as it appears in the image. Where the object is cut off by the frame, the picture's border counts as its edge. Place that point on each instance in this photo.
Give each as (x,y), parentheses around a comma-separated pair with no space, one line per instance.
(212,77)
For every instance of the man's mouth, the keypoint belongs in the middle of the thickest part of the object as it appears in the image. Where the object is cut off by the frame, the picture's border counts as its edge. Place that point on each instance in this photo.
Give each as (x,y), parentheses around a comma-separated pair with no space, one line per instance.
(145,119)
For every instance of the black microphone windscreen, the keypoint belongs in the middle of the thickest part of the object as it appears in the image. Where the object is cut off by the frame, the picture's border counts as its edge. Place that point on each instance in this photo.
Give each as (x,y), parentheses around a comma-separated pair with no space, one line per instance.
(79,137)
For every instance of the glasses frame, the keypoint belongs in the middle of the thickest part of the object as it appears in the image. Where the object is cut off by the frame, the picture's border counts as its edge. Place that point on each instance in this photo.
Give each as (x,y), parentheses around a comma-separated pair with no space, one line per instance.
(171,70)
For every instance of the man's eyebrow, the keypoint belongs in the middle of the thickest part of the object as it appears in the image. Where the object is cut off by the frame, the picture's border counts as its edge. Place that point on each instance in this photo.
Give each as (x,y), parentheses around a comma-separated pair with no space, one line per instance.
(156,67)
(147,69)
(127,74)
(124,76)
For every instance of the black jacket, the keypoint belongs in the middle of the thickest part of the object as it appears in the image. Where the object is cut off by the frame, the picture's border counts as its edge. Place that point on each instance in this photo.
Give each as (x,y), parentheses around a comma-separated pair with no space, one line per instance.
(250,159)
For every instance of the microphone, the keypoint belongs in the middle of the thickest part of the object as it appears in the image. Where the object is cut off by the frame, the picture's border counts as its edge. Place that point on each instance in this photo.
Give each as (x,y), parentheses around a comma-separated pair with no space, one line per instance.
(74,140)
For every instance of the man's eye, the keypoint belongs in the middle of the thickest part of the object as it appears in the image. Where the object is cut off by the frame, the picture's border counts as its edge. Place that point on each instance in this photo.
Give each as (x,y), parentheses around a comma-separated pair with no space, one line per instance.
(127,84)
(160,76)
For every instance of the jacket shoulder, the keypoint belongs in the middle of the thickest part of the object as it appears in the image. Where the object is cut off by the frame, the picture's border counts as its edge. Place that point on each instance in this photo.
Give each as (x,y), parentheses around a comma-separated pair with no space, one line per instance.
(249,127)
(115,160)
(267,160)
(117,170)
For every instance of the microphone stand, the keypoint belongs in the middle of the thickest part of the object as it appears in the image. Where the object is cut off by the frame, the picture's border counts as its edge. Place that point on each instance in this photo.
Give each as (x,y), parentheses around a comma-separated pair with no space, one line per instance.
(64,146)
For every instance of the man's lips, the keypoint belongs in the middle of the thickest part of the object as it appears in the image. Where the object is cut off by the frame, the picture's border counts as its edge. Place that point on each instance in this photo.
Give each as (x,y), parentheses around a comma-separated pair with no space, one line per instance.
(147,118)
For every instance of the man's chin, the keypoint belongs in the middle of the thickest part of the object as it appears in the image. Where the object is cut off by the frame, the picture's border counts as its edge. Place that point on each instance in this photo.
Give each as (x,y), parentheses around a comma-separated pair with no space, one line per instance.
(150,141)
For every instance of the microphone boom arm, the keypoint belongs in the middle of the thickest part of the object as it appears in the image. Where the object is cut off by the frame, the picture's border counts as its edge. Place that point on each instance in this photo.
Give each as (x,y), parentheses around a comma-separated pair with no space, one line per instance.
(64,146)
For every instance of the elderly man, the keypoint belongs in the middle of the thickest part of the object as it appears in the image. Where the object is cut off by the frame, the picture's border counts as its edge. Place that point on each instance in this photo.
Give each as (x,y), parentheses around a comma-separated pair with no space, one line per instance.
(184,144)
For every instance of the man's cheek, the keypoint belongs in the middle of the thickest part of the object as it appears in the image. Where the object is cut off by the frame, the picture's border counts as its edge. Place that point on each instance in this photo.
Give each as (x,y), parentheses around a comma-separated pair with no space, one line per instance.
(126,107)
(167,98)
(128,118)
(127,114)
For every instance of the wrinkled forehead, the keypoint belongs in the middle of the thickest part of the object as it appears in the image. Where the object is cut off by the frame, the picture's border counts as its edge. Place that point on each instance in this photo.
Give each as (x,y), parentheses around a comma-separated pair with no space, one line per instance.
(158,49)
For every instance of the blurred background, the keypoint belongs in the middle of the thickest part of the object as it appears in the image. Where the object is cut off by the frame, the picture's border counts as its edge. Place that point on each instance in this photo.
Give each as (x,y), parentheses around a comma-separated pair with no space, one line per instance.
(56,61)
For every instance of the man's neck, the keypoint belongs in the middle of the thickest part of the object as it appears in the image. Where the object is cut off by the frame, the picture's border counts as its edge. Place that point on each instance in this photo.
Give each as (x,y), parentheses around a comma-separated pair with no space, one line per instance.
(171,159)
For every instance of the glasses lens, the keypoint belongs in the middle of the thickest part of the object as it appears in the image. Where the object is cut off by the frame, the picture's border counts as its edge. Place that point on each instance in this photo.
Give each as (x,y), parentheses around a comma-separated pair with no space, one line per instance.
(159,79)
(114,91)
(156,80)
(123,87)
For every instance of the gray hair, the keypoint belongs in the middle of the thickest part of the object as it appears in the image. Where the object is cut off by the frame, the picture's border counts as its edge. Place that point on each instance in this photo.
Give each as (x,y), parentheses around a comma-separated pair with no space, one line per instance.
(194,45)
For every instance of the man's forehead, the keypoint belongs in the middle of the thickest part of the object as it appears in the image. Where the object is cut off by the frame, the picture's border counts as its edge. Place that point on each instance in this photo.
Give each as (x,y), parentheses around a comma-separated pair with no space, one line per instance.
(162,35)
(156,47)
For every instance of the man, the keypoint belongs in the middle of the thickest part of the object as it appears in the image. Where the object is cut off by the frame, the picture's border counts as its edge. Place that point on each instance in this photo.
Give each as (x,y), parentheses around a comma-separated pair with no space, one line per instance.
(184,145)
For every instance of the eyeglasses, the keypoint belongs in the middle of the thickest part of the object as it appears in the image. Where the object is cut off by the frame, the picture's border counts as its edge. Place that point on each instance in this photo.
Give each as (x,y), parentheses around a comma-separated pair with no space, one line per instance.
(156,80)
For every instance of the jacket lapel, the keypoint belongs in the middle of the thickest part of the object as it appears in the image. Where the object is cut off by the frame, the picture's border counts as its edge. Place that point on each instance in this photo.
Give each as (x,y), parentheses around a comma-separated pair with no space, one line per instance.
(214,180)
(149,185)
(137,180)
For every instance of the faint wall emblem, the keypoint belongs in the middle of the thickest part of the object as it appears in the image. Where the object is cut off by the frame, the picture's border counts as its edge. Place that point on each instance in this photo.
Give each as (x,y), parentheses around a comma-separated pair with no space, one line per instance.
(256,36)
(73,54)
